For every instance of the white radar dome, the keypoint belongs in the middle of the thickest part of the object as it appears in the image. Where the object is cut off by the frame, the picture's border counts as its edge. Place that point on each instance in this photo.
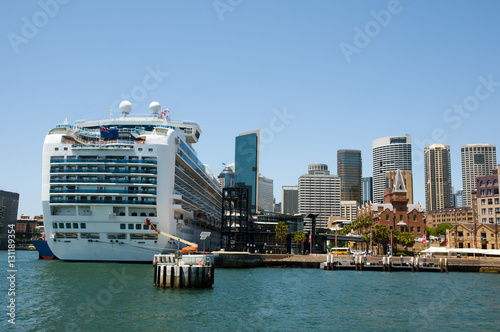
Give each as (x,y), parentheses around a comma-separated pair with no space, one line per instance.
(154,107)
(125,107)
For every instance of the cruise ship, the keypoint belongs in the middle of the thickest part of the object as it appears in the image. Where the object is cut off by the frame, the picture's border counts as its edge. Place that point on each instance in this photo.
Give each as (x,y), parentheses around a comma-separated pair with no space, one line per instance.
(109,185)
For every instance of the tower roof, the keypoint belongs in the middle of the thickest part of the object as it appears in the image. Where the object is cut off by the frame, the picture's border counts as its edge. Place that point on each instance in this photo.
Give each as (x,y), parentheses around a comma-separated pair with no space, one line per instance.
(399,183)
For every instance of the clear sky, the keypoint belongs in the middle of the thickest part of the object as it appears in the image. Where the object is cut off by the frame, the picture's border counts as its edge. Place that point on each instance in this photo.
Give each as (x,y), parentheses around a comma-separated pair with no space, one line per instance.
(313,76)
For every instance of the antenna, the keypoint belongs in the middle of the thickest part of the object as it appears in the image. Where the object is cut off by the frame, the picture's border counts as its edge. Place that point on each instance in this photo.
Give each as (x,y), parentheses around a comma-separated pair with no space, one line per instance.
(110,112)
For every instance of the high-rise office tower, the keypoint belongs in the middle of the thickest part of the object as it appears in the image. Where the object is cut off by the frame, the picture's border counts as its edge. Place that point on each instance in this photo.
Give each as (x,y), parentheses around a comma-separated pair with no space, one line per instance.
(459,198)
(319,193)
(437,168)
(290,200)
(477,160)
(246,159)
(266,197)
(389,154)
(9,204)
(367,189)
(226,177)
(349,170)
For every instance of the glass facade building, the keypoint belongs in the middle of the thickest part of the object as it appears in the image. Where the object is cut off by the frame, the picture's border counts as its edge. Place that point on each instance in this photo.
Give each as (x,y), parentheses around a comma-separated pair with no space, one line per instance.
(367,189)
(9,204)
(349,166)
(246,158)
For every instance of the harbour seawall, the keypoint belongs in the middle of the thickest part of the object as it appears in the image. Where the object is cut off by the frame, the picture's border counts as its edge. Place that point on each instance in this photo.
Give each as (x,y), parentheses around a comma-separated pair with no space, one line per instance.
(247,260)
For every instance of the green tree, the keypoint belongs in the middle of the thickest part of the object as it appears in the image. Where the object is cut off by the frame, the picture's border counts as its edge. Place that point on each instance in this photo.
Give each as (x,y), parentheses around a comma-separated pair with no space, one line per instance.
(300,238)
(441,229)
(382,236)
(281,232)
(431,231)
(406,239)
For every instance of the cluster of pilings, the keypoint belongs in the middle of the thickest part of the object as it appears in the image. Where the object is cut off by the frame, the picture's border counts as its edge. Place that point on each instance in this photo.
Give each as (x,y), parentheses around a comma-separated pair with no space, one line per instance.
(183,271)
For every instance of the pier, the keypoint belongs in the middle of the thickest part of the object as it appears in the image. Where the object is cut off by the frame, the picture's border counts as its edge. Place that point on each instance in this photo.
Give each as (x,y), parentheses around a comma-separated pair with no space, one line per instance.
(183,271)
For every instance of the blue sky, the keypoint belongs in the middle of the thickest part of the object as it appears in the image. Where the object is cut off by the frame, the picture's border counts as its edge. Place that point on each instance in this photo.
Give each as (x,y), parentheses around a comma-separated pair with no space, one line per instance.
(315,77)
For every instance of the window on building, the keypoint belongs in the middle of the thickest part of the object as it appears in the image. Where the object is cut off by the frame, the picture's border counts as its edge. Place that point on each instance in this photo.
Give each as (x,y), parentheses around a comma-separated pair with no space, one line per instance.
(483,201)
(482,192)
(497,201)
(418,229)
(490,220)
(489,192)
(483,211)
(490,200)
(414,217)
(490,211)
(484,220)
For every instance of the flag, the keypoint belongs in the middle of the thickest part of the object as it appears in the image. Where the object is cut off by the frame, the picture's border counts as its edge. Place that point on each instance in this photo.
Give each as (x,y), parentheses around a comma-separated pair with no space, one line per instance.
(371,236)
(424,240)
(309,238)
(390,240)
(447,241)
(109,133)
(164,112)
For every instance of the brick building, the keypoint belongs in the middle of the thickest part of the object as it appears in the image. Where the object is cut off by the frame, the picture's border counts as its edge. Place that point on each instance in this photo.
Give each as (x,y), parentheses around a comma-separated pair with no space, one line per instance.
(396,213)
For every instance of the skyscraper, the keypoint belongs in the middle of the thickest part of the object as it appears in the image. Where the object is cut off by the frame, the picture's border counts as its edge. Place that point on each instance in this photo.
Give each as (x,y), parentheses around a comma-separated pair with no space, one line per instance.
(246,158)
(290,200)
(389,154)
(477,160)
(437,168)
(319,193)
(367,189)
(226,177)
(349,170)
(265,198)
(9,204)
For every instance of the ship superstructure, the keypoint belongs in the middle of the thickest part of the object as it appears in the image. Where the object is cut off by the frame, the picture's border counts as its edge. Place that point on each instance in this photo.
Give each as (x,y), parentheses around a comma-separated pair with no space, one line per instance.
(102,179)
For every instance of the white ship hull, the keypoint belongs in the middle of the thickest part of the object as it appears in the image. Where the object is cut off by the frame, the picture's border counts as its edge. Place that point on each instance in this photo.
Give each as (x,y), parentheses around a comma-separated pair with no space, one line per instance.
(97,193)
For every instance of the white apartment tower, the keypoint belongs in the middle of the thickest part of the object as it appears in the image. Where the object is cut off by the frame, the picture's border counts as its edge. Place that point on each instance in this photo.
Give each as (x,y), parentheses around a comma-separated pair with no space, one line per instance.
(477,160)
(389,154)
(319,193)
(265,196)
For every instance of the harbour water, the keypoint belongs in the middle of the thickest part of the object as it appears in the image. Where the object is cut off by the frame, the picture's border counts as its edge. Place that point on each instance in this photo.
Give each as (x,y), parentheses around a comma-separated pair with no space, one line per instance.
(65,296)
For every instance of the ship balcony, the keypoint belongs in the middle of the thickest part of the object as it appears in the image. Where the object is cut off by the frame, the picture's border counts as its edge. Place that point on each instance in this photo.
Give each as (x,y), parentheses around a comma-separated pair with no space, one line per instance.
(150,181)
(100,192)
(181,208)
(101,161)
(103,171)
(56,200)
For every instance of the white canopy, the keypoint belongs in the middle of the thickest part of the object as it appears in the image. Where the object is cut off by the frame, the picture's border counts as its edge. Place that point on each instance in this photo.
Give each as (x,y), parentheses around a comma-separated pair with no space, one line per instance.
(442,250)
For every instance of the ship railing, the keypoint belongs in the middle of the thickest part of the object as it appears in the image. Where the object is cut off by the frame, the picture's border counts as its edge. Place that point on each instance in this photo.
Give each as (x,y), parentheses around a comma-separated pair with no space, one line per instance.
(104,201)
(105,161)
(151,181)
(95,191)
(152,171)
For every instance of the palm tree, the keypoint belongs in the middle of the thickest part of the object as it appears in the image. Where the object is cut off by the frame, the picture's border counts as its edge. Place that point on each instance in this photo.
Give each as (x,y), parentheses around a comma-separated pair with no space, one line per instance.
(300,238)
(281,232)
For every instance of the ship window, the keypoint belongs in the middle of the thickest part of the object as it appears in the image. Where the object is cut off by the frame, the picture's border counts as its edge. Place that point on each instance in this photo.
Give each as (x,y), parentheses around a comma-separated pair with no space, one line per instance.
(54,225)
(151,214)
(136,236)
(68,225)
(65,149)
(130,226)
(56,149)
(150,149)
(146,227)
(143,214)
(140,149)
(121,236)
(137,226)
(83,225)
(75,225)
(133,214)
(61,225)
(122,226)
